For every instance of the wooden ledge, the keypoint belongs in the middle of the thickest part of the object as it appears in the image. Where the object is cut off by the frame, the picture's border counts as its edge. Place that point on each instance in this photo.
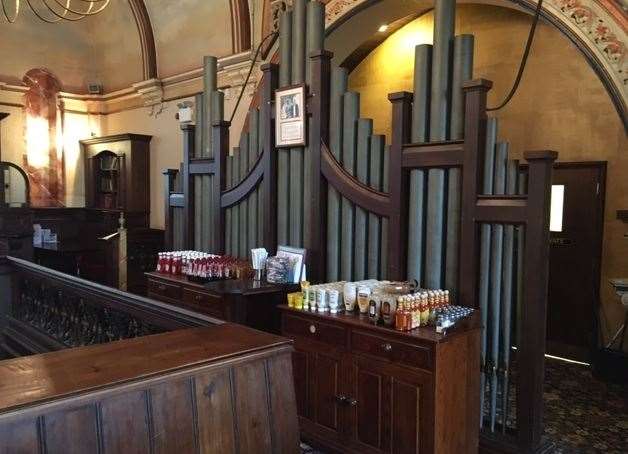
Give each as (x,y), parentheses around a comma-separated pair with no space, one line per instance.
(477,84)
(534,155)
(400,96)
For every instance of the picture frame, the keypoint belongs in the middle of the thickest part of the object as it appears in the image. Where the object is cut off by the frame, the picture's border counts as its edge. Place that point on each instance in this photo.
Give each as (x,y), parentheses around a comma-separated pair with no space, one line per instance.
(295,253)
(290,114)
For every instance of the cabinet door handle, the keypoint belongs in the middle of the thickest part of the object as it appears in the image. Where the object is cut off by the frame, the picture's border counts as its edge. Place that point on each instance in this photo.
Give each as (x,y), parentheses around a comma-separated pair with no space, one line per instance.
(197,297)
(341,399)
(387,347)
(162,287)
(351,401)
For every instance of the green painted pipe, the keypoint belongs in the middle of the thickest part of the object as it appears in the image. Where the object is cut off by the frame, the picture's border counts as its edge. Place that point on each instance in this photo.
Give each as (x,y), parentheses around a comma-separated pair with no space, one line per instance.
(199,105)
(339,77)
(383,273)
(376,165)
(253,154)
(485,253)
(349,142)
(420,134)
(244,205)
(444,22)
(210,75)
(228,174)
(285,48)
(360,250)
(298,41)
(462,71)
(235,210)
(315,12)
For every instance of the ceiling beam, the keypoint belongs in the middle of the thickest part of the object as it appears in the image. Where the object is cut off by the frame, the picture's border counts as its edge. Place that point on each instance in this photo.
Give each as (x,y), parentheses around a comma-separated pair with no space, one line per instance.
(147,39)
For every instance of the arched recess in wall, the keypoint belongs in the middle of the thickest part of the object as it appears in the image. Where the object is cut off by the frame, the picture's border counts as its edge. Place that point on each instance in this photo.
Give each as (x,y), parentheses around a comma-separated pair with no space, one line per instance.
(596,27)
(240,25)
(147,38)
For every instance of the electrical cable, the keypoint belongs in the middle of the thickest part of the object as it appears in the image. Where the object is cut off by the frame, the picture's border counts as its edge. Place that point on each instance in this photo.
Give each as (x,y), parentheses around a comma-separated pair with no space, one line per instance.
(248,76)
(524,59)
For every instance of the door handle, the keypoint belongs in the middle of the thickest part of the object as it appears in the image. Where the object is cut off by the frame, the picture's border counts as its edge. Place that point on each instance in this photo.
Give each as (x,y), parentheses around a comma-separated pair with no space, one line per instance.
(341,399)
(351,401)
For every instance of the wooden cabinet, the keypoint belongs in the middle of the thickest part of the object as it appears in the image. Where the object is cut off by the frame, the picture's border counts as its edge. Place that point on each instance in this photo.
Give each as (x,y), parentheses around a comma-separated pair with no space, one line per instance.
(369,389)
(248,302)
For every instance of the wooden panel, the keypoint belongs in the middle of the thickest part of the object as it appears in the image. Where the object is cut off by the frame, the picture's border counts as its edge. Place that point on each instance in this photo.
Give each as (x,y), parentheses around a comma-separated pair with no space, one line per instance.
(315,330)
(216,429)
(164,290)
(369,393)
(326,383)
(62,427)
(252,409)
(285,427)
(207,303)
(406,418)
(19,437)
(173,424)
(408,354)
(125,423)
(301,373)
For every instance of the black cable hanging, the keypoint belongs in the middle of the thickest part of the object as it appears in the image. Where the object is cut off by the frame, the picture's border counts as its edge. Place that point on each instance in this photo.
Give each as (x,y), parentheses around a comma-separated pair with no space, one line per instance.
(248,76)
(524,59)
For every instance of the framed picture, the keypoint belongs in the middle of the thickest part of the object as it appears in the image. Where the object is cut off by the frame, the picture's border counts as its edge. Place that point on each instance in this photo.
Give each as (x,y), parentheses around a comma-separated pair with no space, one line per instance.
(290,116)
(297,255)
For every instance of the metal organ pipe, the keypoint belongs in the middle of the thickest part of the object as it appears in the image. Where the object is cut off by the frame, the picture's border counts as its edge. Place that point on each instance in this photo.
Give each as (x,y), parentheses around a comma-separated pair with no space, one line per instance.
(350,120)
(210,65)
(462,71)
(419,134)
(512,172)
(485,254)
(365,130)
(253,155)
(283,155)
(244,204)
(444,17)
(338,87)
(497,241)
(374,221)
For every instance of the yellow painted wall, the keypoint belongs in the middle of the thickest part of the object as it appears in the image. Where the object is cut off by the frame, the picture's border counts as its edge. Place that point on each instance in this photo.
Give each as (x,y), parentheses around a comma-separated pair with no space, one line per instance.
(561,105)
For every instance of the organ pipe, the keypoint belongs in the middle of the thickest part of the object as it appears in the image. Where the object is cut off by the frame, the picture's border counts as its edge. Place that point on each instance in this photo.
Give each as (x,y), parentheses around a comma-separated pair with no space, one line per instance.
(338,86)
(365,130)
(420,133)
(485,251)
(350,119)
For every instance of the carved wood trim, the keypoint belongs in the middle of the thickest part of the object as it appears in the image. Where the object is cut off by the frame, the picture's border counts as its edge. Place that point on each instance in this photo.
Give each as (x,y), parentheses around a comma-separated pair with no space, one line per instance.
(374,201)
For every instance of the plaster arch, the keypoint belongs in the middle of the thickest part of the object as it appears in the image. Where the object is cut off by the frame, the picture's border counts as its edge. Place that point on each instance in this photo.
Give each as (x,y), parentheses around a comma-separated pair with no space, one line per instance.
(597,27)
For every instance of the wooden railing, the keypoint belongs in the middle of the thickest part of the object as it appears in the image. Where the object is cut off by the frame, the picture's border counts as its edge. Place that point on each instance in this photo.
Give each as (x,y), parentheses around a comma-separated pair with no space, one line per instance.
(220,389)
(43,310)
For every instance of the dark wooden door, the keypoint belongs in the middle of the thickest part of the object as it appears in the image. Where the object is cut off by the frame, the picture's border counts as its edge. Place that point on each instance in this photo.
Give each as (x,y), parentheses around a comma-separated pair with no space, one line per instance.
(575,254)
(325,387)
(389,406)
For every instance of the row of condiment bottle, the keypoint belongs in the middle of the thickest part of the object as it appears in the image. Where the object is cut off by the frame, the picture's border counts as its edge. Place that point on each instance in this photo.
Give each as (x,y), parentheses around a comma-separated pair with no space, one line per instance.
(201,265)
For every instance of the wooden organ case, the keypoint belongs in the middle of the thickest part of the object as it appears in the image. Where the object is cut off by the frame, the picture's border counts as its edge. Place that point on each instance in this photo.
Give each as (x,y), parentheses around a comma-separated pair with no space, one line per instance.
(443,203)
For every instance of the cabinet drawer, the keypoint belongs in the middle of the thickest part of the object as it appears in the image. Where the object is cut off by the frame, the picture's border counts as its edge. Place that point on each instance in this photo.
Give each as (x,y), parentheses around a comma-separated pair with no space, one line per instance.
(206,302)
(314,330)
(164,290)
(400,352)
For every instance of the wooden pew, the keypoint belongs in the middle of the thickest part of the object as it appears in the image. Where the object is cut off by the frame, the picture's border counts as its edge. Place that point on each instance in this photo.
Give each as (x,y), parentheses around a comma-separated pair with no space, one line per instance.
(220,389)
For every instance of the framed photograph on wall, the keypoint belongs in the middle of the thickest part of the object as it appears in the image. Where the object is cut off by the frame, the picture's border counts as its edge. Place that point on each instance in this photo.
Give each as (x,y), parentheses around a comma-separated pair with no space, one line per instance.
(290,116)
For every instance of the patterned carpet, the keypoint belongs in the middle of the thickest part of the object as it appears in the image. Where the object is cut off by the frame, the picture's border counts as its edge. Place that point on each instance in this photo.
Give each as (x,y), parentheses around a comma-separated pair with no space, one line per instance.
(583,415)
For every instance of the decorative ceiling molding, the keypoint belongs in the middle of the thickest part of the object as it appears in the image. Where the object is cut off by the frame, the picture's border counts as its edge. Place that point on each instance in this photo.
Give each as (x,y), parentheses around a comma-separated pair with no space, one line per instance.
(597,28)
(147,38)
(240,25)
